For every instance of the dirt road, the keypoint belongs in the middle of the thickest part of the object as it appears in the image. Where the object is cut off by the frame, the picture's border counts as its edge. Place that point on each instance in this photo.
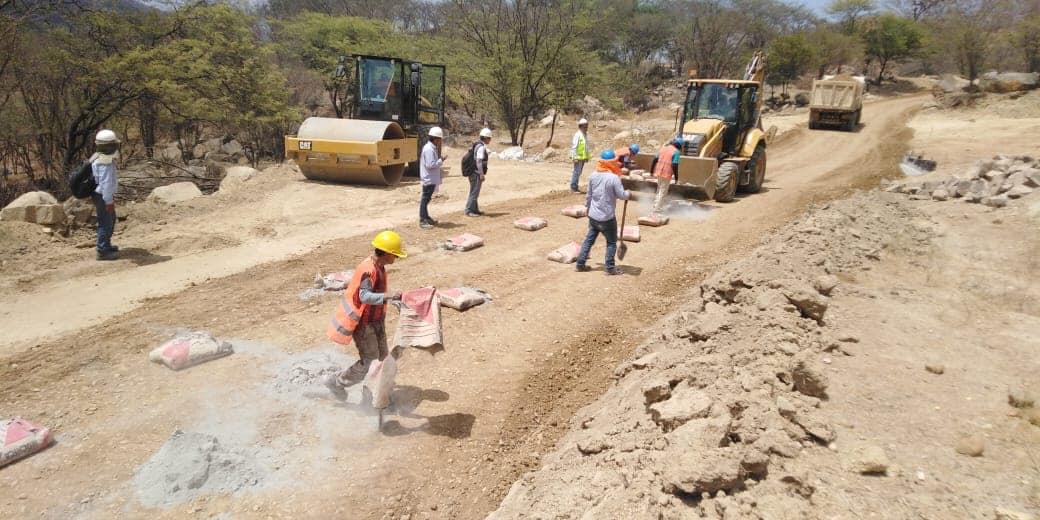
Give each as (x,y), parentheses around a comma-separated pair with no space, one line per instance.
(470,420)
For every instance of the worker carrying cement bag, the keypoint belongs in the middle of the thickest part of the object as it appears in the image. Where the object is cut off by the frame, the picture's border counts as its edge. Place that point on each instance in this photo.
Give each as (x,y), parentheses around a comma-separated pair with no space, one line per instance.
(361,313)
(420,323)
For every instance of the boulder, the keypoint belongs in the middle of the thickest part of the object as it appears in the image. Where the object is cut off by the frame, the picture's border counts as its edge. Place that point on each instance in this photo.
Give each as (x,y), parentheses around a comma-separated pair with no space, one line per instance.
(78,211)
(694,472)
(1032,177)
(199,151)
(232,148)
(998,201)
(623,135)
(1009,81)
(801,99)
(825,284)
(867,459)
(548,153)
(1019,191)
(714,319)
(685,403)
(808,377)
(940,194)
(235,177)
(971,445)
(698,434)
(170,153)
(36,207)
(213,145)
(513,153)
(175,193)
(950,83)
(809,301)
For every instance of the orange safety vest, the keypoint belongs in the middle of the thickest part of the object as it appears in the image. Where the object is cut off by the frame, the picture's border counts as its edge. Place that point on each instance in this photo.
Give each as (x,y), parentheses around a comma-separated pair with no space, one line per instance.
(351,312)
(663,170)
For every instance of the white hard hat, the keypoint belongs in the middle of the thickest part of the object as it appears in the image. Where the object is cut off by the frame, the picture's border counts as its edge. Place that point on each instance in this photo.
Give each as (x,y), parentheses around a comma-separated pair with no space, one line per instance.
(485,133)
(583,121)
(106,137)
(437,132)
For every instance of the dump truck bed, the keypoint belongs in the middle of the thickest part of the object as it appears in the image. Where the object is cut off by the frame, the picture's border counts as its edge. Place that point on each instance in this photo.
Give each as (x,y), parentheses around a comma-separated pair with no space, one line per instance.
(845,94)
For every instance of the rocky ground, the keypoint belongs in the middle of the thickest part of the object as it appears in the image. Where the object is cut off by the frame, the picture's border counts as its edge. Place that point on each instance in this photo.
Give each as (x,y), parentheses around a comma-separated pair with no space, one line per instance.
(834,373)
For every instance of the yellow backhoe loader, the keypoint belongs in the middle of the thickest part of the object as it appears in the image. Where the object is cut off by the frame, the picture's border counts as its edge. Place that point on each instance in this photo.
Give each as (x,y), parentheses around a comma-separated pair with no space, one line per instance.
(393,103)
(724,146)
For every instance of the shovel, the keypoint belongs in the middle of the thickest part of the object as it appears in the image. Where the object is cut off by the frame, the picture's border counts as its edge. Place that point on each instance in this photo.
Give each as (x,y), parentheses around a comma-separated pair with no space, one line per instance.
(622,246)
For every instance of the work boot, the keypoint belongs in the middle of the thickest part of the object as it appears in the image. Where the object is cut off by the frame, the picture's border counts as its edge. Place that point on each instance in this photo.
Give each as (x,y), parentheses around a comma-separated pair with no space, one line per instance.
(107,256)
(612,271)
(114,248)
(472,214)
(582,268)
(425,224)
(332,383)
(432,221)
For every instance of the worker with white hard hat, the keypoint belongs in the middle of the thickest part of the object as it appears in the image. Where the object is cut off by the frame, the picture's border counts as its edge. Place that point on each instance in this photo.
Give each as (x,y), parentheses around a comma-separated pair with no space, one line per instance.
(103,167)
(361,314)
(430,162)
(581,152)
(475,167)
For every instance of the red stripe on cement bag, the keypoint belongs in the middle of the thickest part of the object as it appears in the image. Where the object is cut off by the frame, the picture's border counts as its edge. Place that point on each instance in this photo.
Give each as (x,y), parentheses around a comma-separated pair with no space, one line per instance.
(575,211)
(464,242)
(653,220)
(380,381)
(190,349)
(420,323)
(630,234)
(565,254)
(530,223)
(20,438)
(462,298)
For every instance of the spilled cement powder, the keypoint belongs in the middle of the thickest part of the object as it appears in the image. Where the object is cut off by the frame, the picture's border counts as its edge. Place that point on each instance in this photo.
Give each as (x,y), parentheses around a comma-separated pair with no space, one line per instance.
(190,465)
(304,374)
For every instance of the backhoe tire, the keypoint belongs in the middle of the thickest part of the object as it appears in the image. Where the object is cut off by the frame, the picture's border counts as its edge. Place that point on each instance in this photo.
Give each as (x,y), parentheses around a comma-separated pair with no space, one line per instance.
(726,188)
(757,166)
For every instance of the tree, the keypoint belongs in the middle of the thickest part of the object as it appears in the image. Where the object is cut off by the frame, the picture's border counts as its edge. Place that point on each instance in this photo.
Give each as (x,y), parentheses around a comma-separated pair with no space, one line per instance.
(889,38)
(849,11)
(1027,37)
(713,40)
(833,49)
(789,57)
(511,49)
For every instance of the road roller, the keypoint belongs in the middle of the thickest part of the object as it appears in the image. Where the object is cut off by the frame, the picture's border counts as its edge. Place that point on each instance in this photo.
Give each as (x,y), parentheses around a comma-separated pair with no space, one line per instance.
(390,105)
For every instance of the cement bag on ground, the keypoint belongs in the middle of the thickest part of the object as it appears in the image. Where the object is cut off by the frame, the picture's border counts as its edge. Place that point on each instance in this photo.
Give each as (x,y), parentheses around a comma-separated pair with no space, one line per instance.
(20,438)
(575,211)
(380,381)
(420,323)
(464,242)
(190,349)
(653,220)
(530,223)
(630,234)
(462,298)
(333,281)
(565,254)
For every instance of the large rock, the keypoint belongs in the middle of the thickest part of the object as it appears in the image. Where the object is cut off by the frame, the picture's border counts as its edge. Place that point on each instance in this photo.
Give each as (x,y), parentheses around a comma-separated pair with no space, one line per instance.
(548,153)
(685,403)
(37,207)
(867,459)
(78,211)
(808,377)
(714,319)
(949,83)
(1009,81)
(721,469)
(236,177)
(809,301)
(174,193)
(232,148)
(513,153)
(801,99)
(698,434)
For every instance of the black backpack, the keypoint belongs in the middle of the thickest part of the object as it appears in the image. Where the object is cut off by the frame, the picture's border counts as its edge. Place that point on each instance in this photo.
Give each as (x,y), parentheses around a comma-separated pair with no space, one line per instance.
(81,181)
(469,161)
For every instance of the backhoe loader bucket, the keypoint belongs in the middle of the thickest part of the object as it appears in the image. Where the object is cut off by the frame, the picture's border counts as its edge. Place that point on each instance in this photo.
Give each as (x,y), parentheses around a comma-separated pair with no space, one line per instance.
(697,177)
(351,151)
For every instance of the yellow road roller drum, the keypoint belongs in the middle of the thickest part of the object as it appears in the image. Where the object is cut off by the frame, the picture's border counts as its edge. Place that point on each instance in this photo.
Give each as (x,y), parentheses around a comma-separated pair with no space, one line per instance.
(351,151)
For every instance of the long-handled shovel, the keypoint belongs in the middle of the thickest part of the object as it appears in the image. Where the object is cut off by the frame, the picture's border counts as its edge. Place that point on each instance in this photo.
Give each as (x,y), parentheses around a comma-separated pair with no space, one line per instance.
(622,246)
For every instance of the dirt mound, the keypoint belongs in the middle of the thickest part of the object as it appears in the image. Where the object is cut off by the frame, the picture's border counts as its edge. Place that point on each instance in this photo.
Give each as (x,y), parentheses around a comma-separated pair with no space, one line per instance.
(190,465)
(703,418)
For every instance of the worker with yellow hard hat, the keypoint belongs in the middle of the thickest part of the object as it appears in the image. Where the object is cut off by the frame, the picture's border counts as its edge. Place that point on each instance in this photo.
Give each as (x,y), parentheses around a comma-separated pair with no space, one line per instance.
(361,313)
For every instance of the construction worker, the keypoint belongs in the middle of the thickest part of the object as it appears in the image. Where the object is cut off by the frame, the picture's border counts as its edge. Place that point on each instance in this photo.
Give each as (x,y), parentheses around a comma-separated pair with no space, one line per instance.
(476,177)
(581,152)
(430,162)
(604,190)
(626,156)
(667,164)
(361,313)
(103,167)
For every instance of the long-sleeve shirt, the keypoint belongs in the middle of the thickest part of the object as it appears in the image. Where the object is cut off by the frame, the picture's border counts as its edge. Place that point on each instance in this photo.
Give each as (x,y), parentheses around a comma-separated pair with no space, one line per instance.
(430,165)
(605,189)
(580,153)
(104,170)
(480,153)
(367,296)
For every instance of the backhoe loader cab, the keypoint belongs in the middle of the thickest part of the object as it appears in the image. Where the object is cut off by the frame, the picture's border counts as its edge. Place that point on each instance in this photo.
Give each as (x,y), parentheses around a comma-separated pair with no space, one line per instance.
(391,106)
(709,102)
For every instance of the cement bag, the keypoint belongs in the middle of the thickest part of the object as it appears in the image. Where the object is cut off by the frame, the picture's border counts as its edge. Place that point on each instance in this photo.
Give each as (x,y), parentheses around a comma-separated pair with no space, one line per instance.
(464,242)
(462,298)
(653,220)
(530,223)
(575,211)
(630,234)
(420,323)
(190,349)
(637,172)
(565,254)
(333,281)
(20,438)
(380,381)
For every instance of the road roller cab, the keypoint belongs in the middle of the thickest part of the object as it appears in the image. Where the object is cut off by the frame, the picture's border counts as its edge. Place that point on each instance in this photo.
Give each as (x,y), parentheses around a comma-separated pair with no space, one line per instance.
(391,104)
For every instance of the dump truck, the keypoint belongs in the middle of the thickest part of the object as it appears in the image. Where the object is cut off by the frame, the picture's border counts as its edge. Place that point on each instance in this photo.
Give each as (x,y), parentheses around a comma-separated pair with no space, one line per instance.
(724,148)
(391,106)
(836,102)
